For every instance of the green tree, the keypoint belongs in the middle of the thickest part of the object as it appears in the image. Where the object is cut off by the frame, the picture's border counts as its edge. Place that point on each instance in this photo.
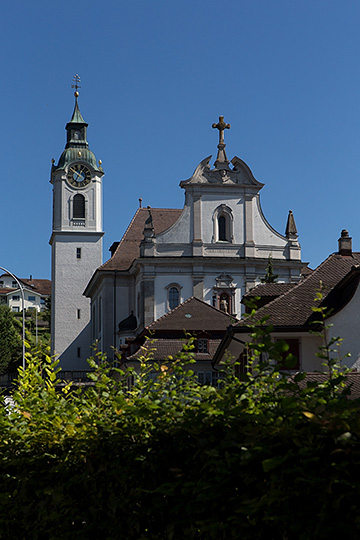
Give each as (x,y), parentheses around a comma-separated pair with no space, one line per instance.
(269,277)
(10,341)
(46,314)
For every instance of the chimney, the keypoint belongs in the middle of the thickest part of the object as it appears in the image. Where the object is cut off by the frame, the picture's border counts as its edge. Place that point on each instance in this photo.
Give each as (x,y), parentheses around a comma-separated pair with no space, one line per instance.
(113,247)
(345,247)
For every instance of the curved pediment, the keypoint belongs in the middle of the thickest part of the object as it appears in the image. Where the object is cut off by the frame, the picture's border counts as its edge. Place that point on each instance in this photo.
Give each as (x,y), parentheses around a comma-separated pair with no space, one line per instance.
(240,174)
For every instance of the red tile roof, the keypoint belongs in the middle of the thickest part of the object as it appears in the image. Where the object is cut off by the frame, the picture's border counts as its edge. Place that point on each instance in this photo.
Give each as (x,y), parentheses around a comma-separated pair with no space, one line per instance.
(193,315)
(352,380)
(163,348)
(41,286)
(294,307)
(269,290)
(128,249)
(168,333)
(7,290)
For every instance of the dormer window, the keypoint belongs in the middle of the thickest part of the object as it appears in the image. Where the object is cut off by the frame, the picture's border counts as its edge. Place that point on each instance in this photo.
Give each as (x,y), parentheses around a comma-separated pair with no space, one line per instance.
(202,346)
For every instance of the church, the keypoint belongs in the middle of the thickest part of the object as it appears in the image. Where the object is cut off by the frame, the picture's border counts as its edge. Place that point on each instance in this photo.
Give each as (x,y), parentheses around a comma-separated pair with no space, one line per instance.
(215,249)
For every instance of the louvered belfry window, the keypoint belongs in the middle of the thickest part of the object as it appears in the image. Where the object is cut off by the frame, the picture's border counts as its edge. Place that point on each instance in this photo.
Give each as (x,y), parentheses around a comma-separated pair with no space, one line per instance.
(79,206)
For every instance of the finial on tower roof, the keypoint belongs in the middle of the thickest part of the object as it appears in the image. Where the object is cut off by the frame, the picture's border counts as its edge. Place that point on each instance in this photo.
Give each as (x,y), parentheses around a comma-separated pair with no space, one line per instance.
(222,161)
(76,117)
(76,81)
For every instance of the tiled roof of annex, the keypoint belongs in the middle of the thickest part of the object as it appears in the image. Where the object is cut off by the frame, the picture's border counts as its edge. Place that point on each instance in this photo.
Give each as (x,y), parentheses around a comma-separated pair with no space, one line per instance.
(269,290)
(192,316)
(163,348)
(294,307)
(129,247)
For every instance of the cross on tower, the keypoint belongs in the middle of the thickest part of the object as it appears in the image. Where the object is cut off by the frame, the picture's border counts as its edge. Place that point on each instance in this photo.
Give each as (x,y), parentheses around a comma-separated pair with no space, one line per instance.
(221,126)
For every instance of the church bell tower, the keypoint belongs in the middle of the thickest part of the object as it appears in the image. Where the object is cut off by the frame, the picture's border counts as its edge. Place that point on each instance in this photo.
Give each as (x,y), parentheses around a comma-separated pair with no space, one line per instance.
(76,242)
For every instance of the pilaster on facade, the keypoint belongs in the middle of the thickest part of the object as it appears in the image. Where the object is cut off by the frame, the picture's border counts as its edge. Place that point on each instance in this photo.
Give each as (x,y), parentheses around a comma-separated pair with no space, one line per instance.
(148,295)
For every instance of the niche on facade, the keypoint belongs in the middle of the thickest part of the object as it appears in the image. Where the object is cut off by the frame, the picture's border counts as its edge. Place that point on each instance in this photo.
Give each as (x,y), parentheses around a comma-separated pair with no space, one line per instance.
(224,294)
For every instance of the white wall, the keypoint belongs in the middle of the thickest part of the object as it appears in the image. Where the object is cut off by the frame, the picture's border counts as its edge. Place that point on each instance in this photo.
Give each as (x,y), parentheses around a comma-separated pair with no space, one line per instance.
(346,325)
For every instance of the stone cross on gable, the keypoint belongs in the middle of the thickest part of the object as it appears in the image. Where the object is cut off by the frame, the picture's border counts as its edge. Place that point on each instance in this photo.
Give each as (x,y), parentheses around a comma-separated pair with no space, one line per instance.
(221,160)
(221,126)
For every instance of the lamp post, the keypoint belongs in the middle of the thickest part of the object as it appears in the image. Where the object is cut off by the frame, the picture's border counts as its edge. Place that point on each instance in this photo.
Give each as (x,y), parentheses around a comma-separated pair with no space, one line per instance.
(23,312)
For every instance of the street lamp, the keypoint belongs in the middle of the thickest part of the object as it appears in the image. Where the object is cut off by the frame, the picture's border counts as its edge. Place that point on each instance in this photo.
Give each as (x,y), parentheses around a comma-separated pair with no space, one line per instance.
(23,312)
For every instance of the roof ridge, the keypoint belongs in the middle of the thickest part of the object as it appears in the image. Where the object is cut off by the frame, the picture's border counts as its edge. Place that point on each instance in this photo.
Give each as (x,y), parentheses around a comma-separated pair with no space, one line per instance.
(183,304)
(122,239)
(263,309)
(168,313)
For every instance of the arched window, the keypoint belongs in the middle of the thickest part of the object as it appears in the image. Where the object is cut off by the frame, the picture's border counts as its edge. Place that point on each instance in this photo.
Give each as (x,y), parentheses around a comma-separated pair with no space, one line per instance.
(223,224)
(174,297)
(79,206)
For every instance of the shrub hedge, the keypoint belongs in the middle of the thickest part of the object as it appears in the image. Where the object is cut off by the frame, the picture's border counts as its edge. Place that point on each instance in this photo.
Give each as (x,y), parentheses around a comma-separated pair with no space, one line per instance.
(261,458)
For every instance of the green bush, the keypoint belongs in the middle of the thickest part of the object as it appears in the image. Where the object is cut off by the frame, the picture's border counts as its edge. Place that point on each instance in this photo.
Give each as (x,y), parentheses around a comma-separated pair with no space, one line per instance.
(10,341)
(261,458)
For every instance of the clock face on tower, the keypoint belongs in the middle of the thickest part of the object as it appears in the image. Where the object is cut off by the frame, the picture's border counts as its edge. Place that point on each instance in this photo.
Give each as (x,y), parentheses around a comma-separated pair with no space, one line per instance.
(78,175)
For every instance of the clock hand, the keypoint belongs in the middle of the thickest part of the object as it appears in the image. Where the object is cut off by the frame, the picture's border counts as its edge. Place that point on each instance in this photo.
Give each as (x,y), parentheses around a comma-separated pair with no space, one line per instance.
(78,174)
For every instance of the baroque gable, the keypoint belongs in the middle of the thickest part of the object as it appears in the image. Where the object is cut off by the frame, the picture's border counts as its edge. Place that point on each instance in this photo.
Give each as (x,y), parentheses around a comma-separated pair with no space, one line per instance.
(240,175)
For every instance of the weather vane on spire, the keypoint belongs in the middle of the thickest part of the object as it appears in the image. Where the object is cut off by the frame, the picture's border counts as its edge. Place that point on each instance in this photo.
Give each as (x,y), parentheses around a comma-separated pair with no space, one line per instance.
(76,80)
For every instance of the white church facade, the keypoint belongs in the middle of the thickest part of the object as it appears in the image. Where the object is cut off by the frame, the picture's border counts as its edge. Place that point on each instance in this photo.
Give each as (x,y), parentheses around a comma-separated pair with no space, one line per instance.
(215,248)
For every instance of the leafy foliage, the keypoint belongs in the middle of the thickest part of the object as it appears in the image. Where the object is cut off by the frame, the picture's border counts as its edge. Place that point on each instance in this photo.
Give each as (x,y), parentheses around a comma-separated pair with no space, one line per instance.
(269,277)
(10,341)
(166,458)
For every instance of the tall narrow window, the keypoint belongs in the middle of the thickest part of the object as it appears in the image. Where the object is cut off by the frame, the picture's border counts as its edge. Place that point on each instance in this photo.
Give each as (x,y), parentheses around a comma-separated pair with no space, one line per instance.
(78,352)
(78,314)
(78,253)
(223,224)
(222,228)
(79,206)
(174,297)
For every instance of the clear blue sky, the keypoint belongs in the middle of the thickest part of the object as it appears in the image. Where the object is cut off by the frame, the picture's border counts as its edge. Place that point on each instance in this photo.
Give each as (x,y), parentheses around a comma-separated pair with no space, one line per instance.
(155,76)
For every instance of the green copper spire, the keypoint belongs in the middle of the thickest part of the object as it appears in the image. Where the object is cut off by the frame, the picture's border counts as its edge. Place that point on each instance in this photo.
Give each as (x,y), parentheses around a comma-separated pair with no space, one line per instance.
(76,128)
(77,147)
(77,117)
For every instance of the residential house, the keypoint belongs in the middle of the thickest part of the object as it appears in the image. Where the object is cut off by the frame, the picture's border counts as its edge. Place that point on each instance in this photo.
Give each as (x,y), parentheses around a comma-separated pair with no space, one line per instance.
(289,311)
(36,291)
